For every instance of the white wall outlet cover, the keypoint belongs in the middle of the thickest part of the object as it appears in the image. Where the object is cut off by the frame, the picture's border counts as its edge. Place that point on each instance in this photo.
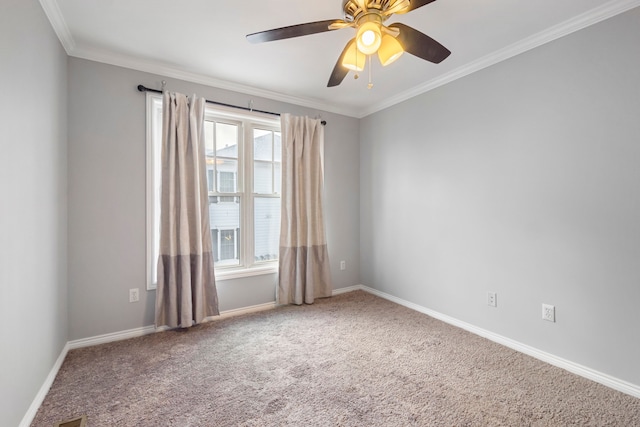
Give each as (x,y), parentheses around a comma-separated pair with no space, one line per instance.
(548,312)
(492,299)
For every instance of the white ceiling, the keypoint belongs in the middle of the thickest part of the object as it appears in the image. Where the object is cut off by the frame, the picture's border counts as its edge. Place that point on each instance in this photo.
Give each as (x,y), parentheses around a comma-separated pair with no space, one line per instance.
(204,41)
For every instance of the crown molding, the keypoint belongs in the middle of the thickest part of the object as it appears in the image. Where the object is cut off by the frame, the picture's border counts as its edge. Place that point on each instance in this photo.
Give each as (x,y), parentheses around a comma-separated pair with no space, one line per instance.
(59,25)
(569,26)
(164,70)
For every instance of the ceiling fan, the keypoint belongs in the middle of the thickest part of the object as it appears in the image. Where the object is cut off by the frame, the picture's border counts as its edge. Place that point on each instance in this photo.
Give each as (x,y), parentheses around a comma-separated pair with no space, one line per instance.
(367,17)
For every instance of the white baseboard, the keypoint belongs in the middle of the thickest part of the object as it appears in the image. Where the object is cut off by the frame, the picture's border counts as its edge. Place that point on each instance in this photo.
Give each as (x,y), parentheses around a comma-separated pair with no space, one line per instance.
(347,289)
(42,393)
(583,371)
(245,310)
(114,336)
(150,329)
(138,332)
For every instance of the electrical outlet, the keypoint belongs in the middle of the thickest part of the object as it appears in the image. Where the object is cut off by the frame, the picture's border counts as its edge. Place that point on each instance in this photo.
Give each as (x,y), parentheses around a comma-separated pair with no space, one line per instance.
(343,265)
(492,299)
(134,295)
(548,312)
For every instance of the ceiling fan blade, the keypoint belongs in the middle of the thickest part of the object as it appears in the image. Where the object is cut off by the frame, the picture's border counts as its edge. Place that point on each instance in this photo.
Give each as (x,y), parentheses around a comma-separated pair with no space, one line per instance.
(294,31)
(415,4)
(420,45)
(339,71)
(338,25)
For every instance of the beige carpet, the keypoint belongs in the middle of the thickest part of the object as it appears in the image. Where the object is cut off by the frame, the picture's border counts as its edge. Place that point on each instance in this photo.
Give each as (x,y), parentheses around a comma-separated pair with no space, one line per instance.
(351,360)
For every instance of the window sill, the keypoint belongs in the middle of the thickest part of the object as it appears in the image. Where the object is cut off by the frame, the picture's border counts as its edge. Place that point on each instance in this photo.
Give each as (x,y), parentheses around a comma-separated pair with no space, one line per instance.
(226,274)
(236,273)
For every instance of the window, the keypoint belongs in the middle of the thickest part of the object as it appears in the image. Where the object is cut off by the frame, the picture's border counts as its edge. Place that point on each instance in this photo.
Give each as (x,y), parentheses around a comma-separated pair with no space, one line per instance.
(243,158)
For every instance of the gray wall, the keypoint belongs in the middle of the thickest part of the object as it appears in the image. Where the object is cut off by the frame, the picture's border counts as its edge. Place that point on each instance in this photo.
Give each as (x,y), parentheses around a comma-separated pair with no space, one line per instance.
(521,179)
(107,198)
(33,185)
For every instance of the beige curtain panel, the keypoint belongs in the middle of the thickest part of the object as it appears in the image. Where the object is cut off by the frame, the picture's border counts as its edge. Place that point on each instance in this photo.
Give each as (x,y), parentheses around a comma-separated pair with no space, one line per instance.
(304,272)
(186,292)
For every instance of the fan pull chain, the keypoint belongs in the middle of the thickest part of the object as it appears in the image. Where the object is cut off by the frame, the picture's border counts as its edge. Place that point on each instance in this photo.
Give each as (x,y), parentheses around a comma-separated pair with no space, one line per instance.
(356,75)
(370,85)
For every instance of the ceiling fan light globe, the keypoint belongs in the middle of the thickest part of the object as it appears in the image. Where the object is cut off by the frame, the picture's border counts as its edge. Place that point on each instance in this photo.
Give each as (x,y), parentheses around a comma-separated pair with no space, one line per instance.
(390,50)
(369,38)
(353,67)
(353,59)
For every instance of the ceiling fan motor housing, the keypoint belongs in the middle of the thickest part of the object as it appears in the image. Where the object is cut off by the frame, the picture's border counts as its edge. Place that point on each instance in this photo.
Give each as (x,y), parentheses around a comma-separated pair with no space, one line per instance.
(354,9)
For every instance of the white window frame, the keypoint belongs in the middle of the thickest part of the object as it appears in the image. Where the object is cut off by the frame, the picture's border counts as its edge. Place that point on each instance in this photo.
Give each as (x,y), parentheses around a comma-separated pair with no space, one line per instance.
(153,183)
(244,182)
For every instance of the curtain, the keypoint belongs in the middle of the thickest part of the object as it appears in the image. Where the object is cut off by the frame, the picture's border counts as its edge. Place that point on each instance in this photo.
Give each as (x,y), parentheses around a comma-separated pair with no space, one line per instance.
(304,272)
(186,292)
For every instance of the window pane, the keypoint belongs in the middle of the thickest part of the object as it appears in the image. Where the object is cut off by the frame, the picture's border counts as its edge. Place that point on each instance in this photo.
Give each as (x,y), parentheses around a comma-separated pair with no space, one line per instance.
(227,244)
(227,140)
(225,232)
(227,175)
(262,145)
(210,182)
(262,178)
(266,228)
(227,182)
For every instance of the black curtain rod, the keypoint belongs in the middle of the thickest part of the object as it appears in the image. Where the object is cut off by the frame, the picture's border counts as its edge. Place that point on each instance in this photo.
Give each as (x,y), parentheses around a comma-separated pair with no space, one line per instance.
(141,88)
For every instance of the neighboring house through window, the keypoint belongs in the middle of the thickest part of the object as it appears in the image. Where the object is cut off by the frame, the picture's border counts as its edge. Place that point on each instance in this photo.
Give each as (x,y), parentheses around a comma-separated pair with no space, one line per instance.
(227,248)
(243,157)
